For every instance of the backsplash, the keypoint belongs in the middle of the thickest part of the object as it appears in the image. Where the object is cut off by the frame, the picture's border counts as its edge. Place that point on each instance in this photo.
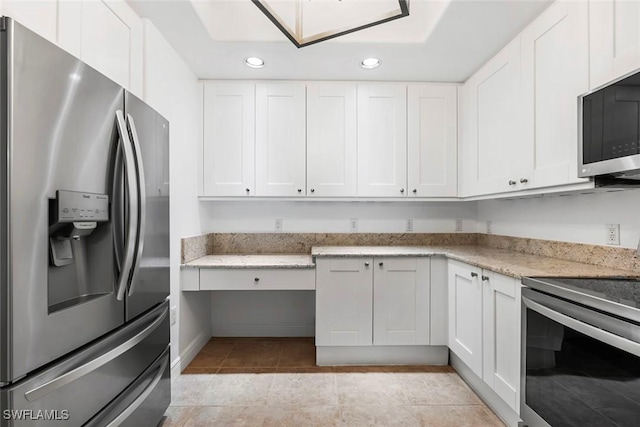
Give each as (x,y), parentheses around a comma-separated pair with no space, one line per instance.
(301,243)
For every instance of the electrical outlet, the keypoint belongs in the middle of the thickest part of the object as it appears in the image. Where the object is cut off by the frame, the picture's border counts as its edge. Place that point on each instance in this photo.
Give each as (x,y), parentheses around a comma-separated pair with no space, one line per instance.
(173,315)
(458,225)
(489,227)
(613,234)
(353,225)
(278,224)
(409,225)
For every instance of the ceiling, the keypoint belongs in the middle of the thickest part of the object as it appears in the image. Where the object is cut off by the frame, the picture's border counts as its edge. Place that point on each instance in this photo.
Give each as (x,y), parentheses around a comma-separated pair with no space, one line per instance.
(441,40)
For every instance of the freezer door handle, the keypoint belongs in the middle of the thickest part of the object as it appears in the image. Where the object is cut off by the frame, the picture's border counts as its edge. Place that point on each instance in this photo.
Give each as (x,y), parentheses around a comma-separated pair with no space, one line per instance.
(142,203)
(143,396)
(74,374)
(132,189)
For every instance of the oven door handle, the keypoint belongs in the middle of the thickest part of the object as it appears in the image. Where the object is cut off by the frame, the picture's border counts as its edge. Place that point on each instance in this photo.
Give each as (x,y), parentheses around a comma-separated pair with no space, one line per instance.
(591,331)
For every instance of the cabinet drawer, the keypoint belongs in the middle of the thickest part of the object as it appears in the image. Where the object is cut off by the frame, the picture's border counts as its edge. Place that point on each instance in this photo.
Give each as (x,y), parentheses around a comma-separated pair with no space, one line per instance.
(267,279)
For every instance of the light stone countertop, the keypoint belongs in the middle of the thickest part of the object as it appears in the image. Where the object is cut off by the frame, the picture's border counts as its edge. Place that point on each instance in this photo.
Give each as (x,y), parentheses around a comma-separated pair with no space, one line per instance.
(252,261)
(509,263)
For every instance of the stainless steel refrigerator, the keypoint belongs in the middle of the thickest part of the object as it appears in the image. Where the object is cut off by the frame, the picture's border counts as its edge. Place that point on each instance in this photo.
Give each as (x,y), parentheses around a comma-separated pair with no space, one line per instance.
(84,248)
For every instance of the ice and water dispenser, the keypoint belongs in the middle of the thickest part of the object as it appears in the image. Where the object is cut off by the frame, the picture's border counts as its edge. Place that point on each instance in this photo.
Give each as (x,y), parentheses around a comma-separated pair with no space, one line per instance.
(80,249)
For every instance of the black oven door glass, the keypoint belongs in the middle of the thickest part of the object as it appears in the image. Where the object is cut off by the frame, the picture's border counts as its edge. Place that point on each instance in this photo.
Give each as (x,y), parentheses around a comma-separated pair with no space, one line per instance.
(574,380)
(611,121)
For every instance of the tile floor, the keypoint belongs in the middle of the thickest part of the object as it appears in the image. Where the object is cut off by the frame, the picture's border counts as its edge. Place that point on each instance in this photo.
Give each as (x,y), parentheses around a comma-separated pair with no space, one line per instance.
(275,382)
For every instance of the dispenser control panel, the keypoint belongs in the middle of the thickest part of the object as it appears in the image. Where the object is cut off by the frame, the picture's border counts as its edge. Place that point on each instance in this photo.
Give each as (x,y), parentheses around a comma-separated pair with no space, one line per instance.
(74,206)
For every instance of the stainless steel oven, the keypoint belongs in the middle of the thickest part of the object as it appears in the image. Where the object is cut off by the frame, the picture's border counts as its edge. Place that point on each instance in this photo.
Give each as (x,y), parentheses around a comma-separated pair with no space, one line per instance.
(580,352)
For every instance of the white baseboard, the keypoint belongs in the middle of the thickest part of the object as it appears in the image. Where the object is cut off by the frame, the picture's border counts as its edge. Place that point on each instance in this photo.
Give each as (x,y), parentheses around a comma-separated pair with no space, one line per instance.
(499,406)
(382,355)
(263,330)
(192,350)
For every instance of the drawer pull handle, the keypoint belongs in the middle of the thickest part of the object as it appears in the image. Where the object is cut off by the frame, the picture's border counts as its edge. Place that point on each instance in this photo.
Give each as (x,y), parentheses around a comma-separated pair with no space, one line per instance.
(366,264)
(474,274)
(485,278)
(257,279)
(381,264)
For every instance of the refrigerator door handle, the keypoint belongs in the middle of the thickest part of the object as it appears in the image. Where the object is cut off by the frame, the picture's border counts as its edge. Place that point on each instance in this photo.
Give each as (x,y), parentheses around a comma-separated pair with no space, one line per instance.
(142,211)
(143,396)
(130,169)
(79,372)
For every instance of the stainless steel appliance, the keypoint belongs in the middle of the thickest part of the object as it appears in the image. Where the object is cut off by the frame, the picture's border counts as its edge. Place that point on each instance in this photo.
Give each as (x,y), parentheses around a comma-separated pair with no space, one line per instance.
(609,129)
(84,220)
(580,352)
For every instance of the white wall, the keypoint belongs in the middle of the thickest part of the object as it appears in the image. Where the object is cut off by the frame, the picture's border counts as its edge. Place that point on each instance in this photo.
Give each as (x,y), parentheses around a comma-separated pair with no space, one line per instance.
(579,218)
(333,217)
(172,89)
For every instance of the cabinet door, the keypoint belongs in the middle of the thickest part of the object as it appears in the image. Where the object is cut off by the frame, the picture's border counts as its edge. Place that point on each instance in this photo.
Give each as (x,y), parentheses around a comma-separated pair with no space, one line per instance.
(107,35)
(501,336)
(555,71)
(280,139)
(331,140)
(465,314)
(490,135)
(39,16)
(614,39)
(343,301)
(382,140)
(228,139)
(432,145)
(401,301)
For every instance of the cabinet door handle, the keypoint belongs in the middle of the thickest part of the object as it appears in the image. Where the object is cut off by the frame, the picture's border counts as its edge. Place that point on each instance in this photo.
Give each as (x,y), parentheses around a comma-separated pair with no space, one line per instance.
(523,180)
(512,182)
(402,190)
(381,264)
(247,190)
(313,190)
(415,190)
(299,190)
(485,278)
(366,264)
(474,274)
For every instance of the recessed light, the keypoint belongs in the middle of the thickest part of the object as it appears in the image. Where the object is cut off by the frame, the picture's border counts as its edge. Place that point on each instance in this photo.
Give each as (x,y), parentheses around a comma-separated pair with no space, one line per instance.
(254,62)
(370,63)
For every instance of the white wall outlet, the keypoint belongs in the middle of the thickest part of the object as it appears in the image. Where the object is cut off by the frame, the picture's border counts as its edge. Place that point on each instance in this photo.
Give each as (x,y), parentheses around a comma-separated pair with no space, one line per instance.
(489,227)
(173,315)
(353,225)
(409,225)
(278,224)
(458,225)
(613,234)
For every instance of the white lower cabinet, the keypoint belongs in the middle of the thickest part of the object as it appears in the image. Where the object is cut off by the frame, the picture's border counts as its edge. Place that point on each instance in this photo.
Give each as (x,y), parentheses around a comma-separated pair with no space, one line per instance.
(373,301)
(484,327)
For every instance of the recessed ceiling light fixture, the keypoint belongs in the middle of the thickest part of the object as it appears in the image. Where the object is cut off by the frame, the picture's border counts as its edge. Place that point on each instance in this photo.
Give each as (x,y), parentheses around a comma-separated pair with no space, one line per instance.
(370,63)
(254,62)
(306,22)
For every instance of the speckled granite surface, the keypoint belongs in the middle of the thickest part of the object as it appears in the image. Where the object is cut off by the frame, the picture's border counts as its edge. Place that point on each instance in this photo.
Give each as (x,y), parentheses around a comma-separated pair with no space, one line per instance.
(301,243)
(194,247)
(253,261)
(605,256)
(515,264)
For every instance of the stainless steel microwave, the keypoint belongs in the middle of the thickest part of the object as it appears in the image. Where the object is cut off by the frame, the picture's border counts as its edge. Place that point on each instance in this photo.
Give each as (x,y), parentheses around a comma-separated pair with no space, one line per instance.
(609,129)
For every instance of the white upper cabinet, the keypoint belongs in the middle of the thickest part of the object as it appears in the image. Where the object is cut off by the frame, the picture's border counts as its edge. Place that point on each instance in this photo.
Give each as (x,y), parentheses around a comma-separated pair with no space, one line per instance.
(555,71)
(280,139)
(228,139)
(432,144)
(331,139)
(614,39)
(39,16)
(382,140)
(107,35)
(491,139)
